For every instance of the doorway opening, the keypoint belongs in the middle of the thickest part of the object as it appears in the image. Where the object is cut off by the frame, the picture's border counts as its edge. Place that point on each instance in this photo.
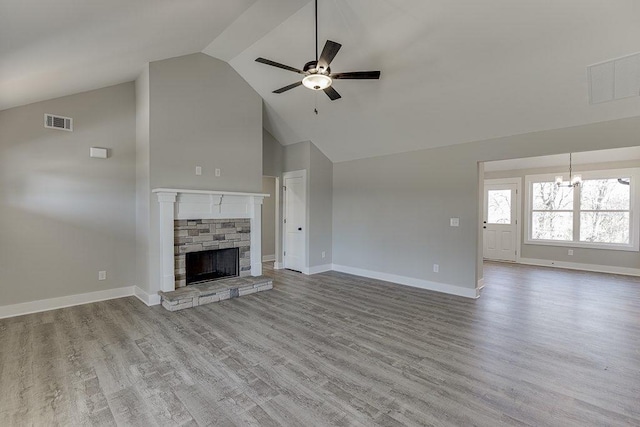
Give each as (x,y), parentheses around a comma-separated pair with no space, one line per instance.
(577,211)
(271,208)
(295,232)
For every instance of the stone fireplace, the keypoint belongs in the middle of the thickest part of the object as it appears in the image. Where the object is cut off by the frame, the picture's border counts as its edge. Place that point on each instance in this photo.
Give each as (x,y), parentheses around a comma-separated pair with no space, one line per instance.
(200,222)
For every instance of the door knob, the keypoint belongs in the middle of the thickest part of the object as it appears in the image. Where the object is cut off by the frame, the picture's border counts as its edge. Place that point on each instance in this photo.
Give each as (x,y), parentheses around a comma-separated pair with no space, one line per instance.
(299,228)
(484,226)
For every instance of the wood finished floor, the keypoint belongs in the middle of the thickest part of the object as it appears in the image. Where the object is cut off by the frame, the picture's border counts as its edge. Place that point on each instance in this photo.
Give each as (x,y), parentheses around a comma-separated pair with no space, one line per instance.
(540,347)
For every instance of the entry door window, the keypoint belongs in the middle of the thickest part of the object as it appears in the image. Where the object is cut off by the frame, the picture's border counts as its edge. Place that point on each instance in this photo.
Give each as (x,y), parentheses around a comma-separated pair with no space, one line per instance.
(499,207)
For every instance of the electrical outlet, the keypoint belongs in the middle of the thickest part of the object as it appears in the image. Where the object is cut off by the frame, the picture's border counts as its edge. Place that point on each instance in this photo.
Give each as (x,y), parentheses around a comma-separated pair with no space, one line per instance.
(217,172)
(324,254)
(436,268)
(198,170)
(570,252)
(102,275)
(454,222)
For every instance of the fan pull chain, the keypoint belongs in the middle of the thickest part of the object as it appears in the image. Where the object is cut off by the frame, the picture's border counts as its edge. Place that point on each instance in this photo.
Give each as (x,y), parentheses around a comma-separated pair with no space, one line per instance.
(315,102)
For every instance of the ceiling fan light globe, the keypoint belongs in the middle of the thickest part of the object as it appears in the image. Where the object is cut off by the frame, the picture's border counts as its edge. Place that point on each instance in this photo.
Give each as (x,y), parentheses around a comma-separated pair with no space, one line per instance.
(317,81)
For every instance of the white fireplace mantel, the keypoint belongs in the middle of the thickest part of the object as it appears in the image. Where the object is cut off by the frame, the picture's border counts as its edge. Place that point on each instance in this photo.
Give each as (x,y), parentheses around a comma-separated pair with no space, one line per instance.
(201,204)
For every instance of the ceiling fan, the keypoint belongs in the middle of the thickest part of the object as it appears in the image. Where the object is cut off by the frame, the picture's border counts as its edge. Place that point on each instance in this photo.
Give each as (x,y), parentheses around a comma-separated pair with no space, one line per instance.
(317,74)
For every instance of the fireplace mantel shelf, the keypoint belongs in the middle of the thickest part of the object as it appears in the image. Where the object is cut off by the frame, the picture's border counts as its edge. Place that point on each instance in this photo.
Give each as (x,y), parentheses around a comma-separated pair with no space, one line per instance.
(212,192)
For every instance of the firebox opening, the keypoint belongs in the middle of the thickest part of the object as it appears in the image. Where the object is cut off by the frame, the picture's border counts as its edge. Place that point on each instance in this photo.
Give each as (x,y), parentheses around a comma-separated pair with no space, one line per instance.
(205,266)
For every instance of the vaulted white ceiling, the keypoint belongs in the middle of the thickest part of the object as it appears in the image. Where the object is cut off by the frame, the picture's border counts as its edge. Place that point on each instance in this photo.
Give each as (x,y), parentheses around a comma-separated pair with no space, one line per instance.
(453,71)
(51,48)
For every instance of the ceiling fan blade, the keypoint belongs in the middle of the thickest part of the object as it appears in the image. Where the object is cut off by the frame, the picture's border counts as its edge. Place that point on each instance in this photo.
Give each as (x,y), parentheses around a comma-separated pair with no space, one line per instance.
(277,64)
(286,88)
(332,93)
(357,75)
(329,52)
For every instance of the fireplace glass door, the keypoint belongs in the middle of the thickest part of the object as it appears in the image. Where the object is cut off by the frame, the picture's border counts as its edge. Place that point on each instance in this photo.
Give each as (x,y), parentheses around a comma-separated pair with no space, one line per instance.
(217,264)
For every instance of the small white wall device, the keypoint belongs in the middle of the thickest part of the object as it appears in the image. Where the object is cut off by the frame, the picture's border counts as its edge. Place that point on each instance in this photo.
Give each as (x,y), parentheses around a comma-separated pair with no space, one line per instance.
(98,153)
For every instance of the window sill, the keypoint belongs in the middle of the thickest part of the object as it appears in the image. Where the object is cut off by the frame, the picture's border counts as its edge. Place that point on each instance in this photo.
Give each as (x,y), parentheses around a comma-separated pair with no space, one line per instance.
(598,246)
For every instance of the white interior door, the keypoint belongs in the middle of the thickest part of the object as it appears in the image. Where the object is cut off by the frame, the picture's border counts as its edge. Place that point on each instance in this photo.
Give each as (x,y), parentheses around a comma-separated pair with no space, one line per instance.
(500,221)
(295,188)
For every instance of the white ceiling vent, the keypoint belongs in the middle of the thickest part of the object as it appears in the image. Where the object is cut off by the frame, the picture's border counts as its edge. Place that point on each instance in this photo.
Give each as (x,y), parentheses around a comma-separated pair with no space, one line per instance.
(58,122)
(615,79)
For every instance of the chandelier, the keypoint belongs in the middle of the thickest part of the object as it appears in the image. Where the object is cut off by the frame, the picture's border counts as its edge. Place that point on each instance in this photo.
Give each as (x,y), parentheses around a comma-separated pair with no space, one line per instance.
(574,180)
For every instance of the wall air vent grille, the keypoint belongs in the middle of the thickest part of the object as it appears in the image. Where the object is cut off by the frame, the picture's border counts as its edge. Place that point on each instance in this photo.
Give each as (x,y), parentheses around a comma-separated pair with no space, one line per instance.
(58,122)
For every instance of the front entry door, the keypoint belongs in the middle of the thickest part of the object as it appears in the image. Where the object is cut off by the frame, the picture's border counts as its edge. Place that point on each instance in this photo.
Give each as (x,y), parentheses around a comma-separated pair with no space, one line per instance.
(294,220)
(500,222)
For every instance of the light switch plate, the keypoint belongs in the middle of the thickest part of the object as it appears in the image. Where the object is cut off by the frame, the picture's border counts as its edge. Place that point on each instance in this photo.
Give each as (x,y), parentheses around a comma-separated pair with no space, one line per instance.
(217,172)
(454,222)
(198,170)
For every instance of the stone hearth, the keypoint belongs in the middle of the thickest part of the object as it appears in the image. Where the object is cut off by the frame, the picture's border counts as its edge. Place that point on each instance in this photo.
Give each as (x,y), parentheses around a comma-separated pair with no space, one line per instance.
(210,292)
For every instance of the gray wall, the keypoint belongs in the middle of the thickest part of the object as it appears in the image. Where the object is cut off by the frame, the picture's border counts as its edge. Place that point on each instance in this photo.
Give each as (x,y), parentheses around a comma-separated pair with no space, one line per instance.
(204,114)
(65,216)
(201,113)
(320,208)
(272,155)
(269,217)
(297,157)
(391,213)
(626,259)
(143,185)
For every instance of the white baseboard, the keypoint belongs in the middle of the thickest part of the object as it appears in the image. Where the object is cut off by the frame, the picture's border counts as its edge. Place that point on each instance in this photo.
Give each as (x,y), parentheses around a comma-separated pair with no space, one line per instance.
(62,302)
(579,266)
(148,299)
(480,283)
(278,266)
(266,258)
(317,269)
(409,281)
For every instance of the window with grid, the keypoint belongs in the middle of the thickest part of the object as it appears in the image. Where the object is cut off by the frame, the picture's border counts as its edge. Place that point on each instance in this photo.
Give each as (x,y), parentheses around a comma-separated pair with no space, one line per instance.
(598,214)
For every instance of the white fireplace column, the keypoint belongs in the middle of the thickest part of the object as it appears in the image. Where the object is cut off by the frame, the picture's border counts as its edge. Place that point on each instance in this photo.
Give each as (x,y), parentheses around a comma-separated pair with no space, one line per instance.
(178,204)
(167,202)
(256,236)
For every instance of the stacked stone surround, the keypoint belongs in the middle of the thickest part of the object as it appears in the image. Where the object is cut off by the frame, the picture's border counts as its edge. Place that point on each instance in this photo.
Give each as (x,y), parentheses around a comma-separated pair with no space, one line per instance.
(196,235)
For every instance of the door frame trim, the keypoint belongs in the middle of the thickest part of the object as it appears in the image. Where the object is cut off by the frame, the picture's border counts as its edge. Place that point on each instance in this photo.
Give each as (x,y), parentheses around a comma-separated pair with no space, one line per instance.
(518,182)
(296,174)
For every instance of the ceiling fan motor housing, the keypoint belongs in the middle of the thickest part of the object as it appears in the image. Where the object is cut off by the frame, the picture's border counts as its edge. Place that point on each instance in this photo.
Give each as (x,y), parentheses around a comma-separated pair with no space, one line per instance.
(312,67)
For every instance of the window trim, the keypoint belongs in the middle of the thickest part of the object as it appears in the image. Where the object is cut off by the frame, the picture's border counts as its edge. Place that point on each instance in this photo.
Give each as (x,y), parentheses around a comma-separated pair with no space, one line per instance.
(634,210)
